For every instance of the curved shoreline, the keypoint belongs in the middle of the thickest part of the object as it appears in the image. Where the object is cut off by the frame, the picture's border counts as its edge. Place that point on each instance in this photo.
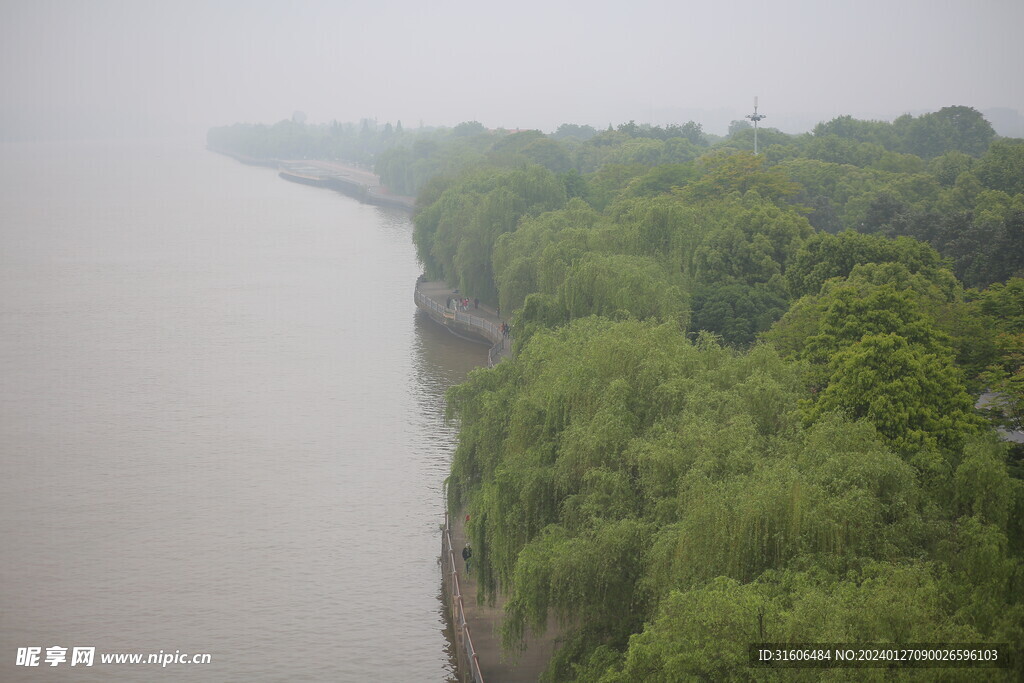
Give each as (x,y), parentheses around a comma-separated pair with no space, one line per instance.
(348,180)
(479,656)
(481,324)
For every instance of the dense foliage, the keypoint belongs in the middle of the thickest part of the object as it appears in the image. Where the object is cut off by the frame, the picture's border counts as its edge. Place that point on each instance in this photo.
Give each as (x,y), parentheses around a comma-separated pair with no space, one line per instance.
(671,502)
(741,406)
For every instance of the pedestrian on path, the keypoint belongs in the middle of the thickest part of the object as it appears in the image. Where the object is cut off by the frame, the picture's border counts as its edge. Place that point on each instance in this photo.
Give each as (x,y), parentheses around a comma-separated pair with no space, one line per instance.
(467,553)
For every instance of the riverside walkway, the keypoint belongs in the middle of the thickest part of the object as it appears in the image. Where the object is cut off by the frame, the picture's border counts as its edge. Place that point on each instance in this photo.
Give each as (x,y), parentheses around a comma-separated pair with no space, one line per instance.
(484,622)
(353,181)
(477,626)
(478,321)
(348,179)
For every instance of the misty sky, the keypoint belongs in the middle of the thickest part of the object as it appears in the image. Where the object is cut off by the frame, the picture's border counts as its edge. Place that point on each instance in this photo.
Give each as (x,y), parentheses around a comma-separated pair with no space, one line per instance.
(129,67)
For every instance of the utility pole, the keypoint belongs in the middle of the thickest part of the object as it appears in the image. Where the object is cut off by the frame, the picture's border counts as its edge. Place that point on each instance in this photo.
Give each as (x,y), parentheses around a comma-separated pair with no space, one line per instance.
(755,117)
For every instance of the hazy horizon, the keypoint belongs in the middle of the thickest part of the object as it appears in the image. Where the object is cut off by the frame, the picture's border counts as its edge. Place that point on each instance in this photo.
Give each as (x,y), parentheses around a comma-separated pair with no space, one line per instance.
(113,68)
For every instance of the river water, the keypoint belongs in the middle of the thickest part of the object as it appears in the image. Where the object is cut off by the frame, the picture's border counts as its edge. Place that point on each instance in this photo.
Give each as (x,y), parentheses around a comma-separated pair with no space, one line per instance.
(221,422)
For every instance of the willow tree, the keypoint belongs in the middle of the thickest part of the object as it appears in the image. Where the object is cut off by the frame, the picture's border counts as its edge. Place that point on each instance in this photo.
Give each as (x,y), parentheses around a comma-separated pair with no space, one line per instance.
(455,235)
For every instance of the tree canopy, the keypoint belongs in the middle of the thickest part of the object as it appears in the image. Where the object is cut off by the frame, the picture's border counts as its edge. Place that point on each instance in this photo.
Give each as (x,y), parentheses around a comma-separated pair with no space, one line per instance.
(741,404)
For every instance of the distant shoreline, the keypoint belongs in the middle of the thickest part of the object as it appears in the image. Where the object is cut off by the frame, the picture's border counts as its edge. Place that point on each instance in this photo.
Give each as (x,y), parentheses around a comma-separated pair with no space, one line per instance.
(349,180)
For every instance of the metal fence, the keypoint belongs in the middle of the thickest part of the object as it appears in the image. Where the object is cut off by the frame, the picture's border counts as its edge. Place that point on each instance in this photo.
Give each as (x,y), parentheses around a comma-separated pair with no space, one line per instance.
(469,663)
(490,330)
(425,301)
(494,353)
(485,328)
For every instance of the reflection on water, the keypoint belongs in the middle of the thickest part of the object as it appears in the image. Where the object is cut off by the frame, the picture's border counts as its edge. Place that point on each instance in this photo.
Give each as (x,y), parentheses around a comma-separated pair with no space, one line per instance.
(221,421)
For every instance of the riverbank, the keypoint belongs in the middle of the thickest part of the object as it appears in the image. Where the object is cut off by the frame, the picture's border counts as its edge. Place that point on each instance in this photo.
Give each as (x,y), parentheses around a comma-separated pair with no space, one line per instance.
(476,626)
(349,180)
(478,322)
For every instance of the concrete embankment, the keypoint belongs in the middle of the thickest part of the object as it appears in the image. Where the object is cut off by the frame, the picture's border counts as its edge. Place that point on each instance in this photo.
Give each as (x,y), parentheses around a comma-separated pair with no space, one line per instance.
(476,321)
(476,626)
(354,182)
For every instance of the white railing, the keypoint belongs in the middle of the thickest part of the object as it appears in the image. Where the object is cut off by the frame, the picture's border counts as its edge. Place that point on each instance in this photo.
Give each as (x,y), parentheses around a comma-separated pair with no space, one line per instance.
(468,660)
(486,328)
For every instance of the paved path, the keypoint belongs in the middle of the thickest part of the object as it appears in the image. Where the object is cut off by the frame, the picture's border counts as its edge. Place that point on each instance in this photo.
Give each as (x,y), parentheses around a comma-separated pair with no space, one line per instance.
(483,317)
(484,620)
(361,177)
(485,624)
(366,181)
(441,291)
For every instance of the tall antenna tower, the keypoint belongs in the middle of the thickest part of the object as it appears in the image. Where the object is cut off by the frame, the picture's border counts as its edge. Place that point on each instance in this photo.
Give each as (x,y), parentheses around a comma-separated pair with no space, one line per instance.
(755,117)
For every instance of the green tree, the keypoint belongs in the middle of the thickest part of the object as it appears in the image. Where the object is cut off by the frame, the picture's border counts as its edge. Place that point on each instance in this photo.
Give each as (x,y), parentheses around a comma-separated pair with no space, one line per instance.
(914,398)
(737,126)
(574,131)
(468,128)
(620,286)
(737,312)
(957,128)
(699,634)
(1002,167)
(825,256)
(455,235)
(948,167)
(724,173)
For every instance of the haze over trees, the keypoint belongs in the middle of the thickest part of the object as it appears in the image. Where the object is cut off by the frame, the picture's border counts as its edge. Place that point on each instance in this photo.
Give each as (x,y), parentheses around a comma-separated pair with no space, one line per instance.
(741,403)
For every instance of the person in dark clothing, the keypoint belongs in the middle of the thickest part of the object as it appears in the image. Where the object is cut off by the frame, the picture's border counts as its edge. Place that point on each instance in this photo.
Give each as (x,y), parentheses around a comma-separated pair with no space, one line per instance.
(476,303)
(467,553)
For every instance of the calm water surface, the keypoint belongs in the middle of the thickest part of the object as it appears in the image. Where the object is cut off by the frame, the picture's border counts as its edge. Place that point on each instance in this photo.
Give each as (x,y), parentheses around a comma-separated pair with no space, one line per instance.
(221,422)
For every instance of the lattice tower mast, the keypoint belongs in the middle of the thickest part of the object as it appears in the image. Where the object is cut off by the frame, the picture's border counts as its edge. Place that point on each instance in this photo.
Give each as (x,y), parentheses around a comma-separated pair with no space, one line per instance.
(755,117)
